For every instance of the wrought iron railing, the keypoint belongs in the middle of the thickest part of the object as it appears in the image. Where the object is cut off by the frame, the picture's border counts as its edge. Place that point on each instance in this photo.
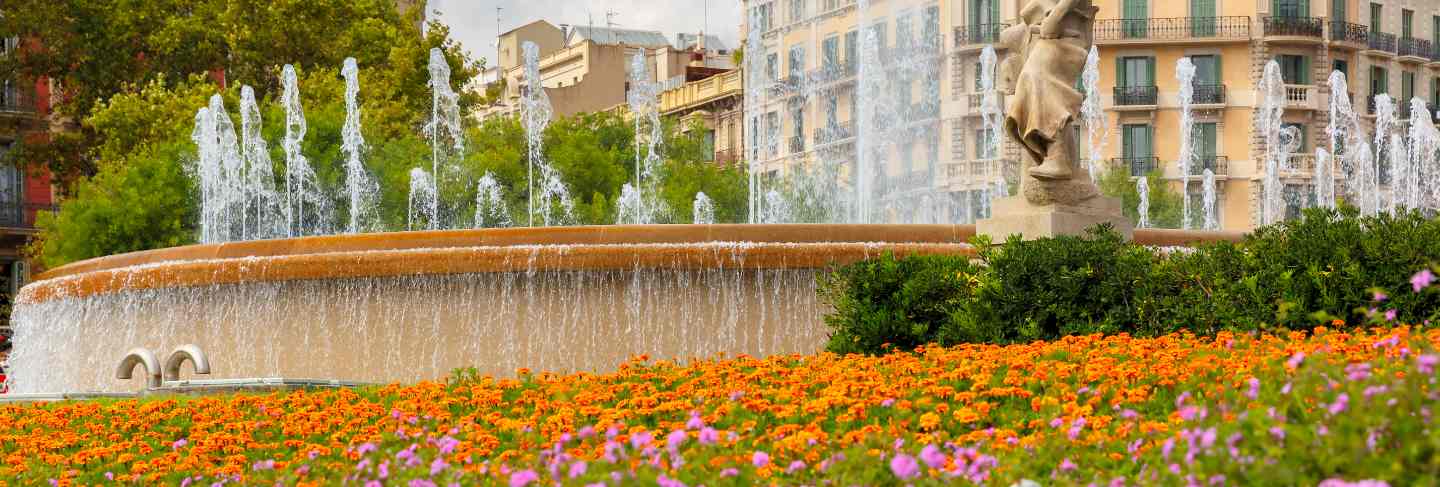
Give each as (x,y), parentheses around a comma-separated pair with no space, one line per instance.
(1218,165)
(797,144)
(1139,166)
(1208,94)
(967,35)
(15,214)
(1380,41)
(1136,95)
(727,156)
(16,100)
(1176,28)
(1410,46)
(1294,26)
(1341,31)
(836,132)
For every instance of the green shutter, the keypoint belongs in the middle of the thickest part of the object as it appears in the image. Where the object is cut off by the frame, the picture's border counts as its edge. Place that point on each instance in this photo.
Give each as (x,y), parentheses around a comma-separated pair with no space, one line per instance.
(1202,21)
(995,11)
(1304,77)
(1337,10)
(1150,71)
(1120,79)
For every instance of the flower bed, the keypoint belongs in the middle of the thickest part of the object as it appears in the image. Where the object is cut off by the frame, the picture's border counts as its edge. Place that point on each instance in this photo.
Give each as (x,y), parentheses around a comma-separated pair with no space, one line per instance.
(1244,409)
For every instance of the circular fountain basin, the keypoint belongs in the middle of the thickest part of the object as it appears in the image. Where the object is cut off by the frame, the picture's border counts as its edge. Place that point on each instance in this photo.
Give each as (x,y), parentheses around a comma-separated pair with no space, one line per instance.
(415,305)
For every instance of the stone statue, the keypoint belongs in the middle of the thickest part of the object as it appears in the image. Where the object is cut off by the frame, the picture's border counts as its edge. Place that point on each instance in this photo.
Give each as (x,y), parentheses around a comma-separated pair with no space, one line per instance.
(1047,51)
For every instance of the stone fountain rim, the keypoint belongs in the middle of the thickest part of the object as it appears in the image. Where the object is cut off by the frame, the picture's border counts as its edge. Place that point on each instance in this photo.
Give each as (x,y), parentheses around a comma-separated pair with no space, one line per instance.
(577,248)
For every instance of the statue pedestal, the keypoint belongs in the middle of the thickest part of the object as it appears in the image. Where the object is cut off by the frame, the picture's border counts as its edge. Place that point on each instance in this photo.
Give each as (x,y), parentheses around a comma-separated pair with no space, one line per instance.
(1017,216)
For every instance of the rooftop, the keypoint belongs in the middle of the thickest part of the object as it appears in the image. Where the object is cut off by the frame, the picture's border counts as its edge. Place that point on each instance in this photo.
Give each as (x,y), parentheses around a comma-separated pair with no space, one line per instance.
(613,36)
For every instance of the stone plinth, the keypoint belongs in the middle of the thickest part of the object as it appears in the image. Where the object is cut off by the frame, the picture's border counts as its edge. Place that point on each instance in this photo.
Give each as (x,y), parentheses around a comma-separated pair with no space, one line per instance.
(1017,216)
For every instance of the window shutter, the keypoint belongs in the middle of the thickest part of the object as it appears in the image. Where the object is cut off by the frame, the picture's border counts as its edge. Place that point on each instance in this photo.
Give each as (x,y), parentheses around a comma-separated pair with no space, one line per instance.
(1127,142)
(1120,72)
(1149,71)
(1304,77)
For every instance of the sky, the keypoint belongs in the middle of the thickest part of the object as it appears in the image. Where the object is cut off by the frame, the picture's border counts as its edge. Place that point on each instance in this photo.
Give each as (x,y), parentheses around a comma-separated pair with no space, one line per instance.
(472,22)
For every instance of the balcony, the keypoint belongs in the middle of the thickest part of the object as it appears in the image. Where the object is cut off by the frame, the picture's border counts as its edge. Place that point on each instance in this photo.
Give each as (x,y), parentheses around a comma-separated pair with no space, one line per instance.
(1136,96)
(1218,165)
(20,215)
(796,144)
(1208,94)
(1346,34)
(1414,50)
(727,156)
(832,72)
(975,171)
(17,101)
(1139,166)
(1301,97)
(1299,165)
(1200,29)
(977,36)
(835,133)
(1382,43)
(1300,28)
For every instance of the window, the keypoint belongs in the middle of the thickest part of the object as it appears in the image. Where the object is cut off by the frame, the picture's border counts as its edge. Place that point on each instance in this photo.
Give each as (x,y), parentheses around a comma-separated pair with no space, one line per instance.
(1291,8)
(852,53)
(1137,147)
(1202,18)
(1379,81)
(1136,71)
(1407,23)
(797,10)
(1435,32)
(772,66)
(832,112)
(1342,66)
(797,125)
(904,30)
(762,15)
(1304,143)
(1137,15)
(1337,10)
(1297,197)
(984,12)
(1435,92)
(879,29)
(1207,69)
(797,60)
(979,83)
(830,53)
(1295,70)
(930,34)
(1407,90)
(1376,12)
(983,149)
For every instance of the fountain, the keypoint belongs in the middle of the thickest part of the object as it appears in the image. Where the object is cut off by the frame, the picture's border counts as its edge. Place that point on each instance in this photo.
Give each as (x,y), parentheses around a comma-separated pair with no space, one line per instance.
(552,200)
(992,117)
(1097,123)
(364,194)
(1324,179)
(307,208)
(1269,114)
(644,204)
(1142,188)
(422,209)
(1369,192)
(490,208)
(447,140)
(1418,172)
(257,178)
(1212,222)
(703,211)
(1185,74)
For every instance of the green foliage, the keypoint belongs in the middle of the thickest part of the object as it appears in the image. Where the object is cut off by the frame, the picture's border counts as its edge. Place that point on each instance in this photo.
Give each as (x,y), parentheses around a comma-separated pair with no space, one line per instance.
(889,302)
(1165,203)
(1326,266)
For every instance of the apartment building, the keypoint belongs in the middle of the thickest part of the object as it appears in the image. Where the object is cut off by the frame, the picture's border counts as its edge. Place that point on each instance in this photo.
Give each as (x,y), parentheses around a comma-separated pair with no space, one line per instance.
(1383,46)
(587,68)
(24,111)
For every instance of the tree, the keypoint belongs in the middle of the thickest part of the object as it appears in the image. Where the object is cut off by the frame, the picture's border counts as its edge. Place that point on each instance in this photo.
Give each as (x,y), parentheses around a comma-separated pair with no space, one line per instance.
(1165,202)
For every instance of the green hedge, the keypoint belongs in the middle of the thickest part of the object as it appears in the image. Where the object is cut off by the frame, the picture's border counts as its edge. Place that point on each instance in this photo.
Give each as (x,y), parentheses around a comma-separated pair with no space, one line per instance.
(1327,265)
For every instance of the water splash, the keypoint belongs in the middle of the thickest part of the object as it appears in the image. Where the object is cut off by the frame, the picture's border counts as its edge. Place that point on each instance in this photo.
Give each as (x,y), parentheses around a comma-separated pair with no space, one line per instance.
(1324,179)
(363,192)
(1142,187)
(777,210)
(490,208)
(1269,122)
(1185,74)
(263,218)
(1423,165)
(1097,123)
(547,195)
(421,210)
(1385,119)
(308,209)
(703,210)
(1349,149)
(217,171)
(447,140)
(1399,170)
(1207,188)
(992,119)
(644,101)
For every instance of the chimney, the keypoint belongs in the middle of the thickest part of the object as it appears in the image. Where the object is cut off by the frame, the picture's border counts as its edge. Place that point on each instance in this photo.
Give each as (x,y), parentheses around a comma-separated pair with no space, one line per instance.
(565,34)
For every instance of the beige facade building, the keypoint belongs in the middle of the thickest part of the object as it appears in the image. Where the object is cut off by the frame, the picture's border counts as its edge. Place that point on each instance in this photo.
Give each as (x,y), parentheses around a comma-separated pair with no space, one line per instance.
(586,69)
(1383,46)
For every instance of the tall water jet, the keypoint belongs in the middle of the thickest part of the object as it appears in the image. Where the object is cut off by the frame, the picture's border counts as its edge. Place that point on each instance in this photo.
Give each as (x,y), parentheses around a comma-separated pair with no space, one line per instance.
(1348,144)
(447,140)
(263,218)
(546,192)
(703,210)
(1185,74)
(869,144)
(1142,188)
(644,101)
(1324,179)
(1399,172)
(992,118)
(490,208)
(1207,185)
(421,208)
(1097,123)
(363,192)
(1269,122)
(1369,175)
(307,207)
(777,210)
(219,173)
(1424,154)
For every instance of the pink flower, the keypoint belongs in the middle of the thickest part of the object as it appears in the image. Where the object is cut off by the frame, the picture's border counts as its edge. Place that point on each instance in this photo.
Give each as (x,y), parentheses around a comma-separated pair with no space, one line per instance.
(904,466)
(577,469)
(1295,360)
(664,481)
(178,444)
(1380,295)
(1254,392)
(523,478)
(729,472)
(1390,315)
(1067,466)
(675,439)
(795,466)
(932,456)
(708,436)
(760,459)
(1422,279)
(1277,432)
(1341,402)
(438,466)
(1355,372)
(887,403)
(695,422)
(1426,363)
(1076,427)
(641,440)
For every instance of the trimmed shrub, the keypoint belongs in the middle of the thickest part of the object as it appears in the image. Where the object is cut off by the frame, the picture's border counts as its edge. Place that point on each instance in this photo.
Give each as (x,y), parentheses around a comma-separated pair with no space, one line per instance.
(1328,265)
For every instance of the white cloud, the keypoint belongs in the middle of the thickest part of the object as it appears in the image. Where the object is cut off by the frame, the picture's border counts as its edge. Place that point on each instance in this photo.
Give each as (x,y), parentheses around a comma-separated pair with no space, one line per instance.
(472,22)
